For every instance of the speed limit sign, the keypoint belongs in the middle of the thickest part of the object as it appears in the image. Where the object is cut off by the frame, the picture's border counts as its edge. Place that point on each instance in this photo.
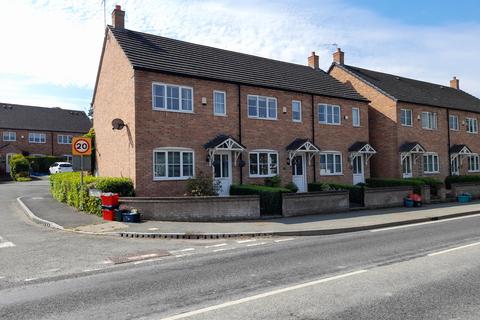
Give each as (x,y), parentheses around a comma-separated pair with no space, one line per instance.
(81,146)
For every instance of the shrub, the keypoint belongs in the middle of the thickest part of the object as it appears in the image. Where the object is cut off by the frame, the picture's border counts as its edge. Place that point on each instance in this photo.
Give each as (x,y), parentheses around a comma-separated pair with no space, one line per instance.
(274,182)
(434,184)
(292,187)
(91,134)
(355,191)
(270,198)
(203,186)
(460,179)
(42,164)
(65,187)
(24,179)
(381,183)
(19,167)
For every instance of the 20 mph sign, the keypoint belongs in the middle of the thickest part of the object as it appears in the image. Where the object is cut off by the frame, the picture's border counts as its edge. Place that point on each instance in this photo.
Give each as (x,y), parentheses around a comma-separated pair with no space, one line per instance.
(81,146)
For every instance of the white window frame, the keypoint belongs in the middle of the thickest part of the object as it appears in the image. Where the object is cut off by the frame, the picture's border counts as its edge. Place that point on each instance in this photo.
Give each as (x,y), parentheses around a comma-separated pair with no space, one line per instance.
(432,155)
(7,136)
(299,110)
(476,163)
(268,99)
(431,120)
(323,172)
(356,124)
(469,121)
(270,173)
(180,100)
(215,92)
(405,112)
(455,121)
(62,137)
(332,107)
(32,137)
(166,150)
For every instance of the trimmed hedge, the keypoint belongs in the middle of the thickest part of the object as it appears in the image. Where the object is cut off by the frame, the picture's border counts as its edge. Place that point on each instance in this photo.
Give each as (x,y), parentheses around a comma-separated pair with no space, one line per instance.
(461,179)
(270,197)
(42,164)
(19,168)
(65,187)
(382,183)
(355,191)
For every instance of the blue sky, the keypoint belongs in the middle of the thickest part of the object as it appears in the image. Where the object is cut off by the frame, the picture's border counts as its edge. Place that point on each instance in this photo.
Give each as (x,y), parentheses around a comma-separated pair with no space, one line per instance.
(53,47)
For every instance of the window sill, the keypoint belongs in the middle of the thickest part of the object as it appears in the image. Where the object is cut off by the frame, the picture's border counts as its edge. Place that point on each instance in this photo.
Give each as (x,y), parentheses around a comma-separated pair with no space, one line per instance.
(429,129)
(220,115)
(172,179)
(430,173)
(472,132)
(174,111)
(267,119)
(258,176)
(407,125)
(331,174)
(330,124)
(37,142)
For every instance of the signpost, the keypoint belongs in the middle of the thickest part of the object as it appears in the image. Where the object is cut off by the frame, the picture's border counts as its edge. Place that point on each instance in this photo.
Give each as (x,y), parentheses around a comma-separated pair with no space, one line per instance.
(81,146)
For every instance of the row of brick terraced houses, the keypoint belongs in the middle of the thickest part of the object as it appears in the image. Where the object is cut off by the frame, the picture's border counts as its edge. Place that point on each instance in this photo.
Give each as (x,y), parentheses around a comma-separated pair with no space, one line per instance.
(189,109)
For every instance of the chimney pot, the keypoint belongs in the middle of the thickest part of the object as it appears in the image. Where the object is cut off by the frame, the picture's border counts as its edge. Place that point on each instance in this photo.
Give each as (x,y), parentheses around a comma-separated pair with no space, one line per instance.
(339,56)
(455,83)
(118,17)
(313,61)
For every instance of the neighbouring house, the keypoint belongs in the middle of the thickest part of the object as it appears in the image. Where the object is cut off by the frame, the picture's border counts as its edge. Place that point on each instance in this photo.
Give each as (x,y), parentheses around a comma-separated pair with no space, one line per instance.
(30,130)
(180,109)
(419,128)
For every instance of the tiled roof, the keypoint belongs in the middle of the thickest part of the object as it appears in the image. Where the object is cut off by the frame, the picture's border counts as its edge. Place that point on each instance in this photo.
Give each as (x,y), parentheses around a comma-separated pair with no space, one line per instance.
(160,54)
(457,148)
(14,116)
(420,92)
(409,146)
(298,143)
(357,146)
(218,140)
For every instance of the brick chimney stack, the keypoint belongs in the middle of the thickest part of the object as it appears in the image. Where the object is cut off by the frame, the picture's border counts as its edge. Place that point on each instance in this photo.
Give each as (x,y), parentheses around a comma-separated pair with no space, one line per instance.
(339,56)
(313,61)
(455,83)
(118,17)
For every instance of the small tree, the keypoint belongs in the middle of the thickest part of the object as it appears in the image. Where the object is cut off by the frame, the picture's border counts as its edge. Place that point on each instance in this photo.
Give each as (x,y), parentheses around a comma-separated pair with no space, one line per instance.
(202,186)
(19,167)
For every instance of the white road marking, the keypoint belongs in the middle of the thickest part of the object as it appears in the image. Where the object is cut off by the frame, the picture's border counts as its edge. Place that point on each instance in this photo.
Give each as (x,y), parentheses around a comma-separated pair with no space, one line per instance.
(216,245)
(106,262)
(30,279)
(282,240)
(149,260)
(261,296)
(94,269)
(256,244)
(182,250)
(152,229)
(244,241)
(223,249)
(424,223)
(37,198)
(183,255)
(6,244)
(52,270)
(453,249)
(2,277)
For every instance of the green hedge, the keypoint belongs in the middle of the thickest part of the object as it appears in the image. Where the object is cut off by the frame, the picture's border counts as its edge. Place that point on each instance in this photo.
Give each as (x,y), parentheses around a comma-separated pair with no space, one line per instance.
(19,168)
(270,197)
(65,187)
(42,164)
(355,191)
(381,183)
(460,179)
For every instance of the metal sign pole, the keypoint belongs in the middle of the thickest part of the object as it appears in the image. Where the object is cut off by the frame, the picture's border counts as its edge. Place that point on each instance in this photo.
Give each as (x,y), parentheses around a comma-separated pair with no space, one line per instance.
(81,171)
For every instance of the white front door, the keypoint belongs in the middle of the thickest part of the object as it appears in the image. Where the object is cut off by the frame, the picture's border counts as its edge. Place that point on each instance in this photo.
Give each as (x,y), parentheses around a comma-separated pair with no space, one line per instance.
(407,167)
(455,166)
(7,164)
(299,175)
(222,167)
(358,170)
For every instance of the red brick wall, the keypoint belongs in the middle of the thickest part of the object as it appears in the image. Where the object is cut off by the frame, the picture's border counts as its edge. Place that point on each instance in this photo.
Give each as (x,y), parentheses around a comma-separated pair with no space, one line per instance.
(115,150)
(461,136)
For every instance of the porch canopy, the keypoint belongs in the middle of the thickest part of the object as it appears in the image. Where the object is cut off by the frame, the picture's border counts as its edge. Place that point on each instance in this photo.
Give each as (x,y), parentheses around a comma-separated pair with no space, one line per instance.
(361,148)
(304,146)
(411,148)
(223,143)
(460,151)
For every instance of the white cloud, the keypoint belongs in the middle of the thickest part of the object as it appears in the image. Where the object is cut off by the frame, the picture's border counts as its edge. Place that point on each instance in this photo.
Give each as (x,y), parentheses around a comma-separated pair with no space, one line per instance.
(59,42)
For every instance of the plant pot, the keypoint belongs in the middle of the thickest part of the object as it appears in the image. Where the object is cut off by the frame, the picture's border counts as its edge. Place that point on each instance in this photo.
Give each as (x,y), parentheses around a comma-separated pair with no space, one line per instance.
(118,215)
(108,215)
(409,203)
(131,217)
(464,198)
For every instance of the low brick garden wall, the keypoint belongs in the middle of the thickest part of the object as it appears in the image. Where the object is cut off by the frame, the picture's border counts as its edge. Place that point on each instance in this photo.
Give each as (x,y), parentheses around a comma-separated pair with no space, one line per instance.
(196,208)
(467,187)
(298,204)
(385,197)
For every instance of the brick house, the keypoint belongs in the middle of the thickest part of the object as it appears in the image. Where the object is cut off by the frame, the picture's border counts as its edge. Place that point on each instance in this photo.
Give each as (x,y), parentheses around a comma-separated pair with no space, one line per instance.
(190,109)
(39,131)
(419,128)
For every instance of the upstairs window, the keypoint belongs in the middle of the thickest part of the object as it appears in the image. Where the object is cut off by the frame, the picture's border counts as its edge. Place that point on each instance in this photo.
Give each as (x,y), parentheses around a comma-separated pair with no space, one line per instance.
(172,98)
(430,163)
(261,107)
(263,163)
(429,120)
(406,117)
(356,117)
(37,137)
(297,111)
(64,139)
(172,164)
(472,125)
(453,122)
(331,163)
(9,136)
(219,107)
(329,114)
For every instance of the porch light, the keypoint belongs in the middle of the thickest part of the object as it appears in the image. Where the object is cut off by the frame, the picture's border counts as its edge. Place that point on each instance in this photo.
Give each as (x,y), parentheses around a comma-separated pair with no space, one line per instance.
(204,101)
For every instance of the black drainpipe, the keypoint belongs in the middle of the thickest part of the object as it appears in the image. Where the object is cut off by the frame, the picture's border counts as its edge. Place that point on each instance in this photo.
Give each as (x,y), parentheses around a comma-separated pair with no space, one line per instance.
(240,129)
(449,154)
(313,140)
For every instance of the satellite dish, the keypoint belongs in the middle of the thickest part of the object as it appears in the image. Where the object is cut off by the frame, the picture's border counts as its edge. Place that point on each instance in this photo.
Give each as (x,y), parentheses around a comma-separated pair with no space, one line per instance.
(117,124)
